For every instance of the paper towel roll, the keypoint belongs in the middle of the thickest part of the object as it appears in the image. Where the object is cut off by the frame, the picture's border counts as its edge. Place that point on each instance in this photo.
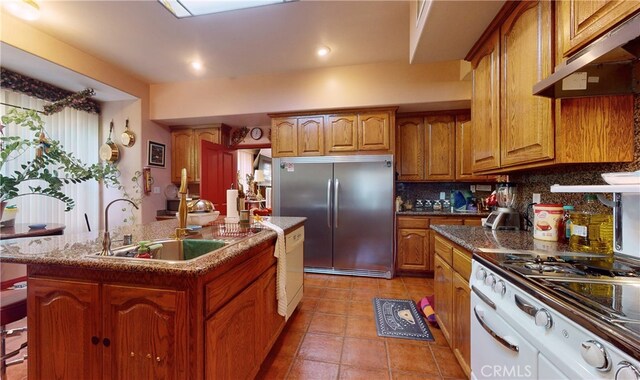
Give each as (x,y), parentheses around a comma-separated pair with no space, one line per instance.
(268,197)
(232,203)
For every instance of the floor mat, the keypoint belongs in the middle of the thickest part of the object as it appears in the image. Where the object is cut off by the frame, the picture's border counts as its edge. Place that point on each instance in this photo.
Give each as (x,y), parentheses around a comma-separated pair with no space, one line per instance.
(399,319)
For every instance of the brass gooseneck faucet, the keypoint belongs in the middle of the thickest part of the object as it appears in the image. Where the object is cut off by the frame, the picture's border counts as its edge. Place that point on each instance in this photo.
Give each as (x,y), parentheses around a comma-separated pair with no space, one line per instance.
(181,230)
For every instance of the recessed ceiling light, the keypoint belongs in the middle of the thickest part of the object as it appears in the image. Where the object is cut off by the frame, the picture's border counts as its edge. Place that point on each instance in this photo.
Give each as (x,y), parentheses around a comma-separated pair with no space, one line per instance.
(323,51)
(25,9)
(197,65)
(188,8)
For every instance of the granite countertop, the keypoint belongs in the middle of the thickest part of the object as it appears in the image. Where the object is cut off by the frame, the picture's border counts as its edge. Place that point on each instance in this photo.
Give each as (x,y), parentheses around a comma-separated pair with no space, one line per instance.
(475,237)
(75,249)
(442,213)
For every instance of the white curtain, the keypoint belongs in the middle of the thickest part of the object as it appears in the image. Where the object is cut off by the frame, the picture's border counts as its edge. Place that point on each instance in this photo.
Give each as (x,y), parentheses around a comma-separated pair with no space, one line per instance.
(78,133)
(245,166)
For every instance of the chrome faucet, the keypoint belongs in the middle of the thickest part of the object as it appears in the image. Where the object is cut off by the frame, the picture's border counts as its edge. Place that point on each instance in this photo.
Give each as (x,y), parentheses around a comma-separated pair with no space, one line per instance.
(181,230)
(106,237)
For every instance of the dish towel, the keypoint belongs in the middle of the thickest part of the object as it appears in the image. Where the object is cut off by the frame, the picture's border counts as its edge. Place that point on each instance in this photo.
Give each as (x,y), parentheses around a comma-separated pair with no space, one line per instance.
(281,269)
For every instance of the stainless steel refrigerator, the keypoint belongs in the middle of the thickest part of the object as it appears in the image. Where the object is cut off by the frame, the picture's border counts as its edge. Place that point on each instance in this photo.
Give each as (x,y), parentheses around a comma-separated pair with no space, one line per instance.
(348,202)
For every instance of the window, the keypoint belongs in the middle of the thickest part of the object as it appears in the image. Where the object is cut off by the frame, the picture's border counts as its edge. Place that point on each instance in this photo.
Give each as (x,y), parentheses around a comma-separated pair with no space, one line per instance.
(78,132)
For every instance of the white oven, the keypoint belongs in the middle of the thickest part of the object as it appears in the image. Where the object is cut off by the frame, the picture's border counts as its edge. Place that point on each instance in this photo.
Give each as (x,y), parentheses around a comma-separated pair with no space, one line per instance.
(515,336)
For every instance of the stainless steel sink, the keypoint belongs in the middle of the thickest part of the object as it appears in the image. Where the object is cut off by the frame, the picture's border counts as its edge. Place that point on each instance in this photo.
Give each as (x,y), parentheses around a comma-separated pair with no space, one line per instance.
(167,250)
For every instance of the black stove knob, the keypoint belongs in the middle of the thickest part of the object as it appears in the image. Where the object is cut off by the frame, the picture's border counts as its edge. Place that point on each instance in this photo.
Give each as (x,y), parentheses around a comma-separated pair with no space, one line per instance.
(627,371)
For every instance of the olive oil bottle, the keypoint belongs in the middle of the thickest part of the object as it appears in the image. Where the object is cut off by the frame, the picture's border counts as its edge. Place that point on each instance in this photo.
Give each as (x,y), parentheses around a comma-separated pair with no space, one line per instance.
(591,230)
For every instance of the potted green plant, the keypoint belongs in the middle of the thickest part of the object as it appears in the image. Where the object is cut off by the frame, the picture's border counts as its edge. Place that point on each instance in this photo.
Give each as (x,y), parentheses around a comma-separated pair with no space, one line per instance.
(51,164)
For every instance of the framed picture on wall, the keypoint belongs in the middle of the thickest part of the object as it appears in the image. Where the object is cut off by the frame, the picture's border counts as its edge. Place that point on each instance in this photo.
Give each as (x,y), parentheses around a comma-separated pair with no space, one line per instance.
(156,154)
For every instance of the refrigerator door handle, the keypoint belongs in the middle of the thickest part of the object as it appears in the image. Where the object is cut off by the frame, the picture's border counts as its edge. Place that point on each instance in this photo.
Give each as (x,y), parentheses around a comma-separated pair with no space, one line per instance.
(329,203)
(335,201)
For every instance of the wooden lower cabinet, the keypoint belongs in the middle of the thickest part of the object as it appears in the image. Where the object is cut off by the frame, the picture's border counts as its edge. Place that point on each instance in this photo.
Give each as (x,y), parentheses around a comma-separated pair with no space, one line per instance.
(453,298)
(85,330)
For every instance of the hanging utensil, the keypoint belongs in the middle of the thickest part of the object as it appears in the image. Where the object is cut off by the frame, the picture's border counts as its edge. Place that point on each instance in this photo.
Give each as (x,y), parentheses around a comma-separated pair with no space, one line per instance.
(109,150)
(127,137)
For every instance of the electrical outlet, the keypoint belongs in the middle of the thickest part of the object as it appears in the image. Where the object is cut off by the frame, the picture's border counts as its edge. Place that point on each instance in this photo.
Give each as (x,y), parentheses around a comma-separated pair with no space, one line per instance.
(442,195)
(536,198)
(483,187)
(156,190)
(472,188)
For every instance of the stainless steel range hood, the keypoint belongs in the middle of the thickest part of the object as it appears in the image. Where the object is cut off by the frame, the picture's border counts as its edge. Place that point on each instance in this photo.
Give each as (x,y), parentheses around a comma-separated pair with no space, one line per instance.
(607,66)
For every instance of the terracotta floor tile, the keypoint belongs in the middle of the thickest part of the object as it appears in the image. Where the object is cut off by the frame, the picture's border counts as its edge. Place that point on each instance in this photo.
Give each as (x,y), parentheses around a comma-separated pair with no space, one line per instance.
(438,336)
(414,280)
(343,282)
(313,291)
(393,293)
(315,280)
(320,347)
(425,290)
(337,294)
(364,283)
(328,324)
(399,375)
(311,370)
(351,373)
(361,327)
(384,284)
(361,308)
(308,303)
(411,358)
(363,294)
(287,344)
(274,368)
(299,320)
(330,306)
(447,362)
(364,353)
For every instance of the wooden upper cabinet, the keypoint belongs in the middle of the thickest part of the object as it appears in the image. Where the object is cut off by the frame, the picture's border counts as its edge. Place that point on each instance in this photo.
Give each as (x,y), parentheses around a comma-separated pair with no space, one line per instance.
(311,136)
(284,137)
(182,154)
(147,330)
(410,151)
(581,21)
(485,106)
(441,152)
(208,134)
(373,131)
(464,150)
(526,121)
(342,133)
(64,322)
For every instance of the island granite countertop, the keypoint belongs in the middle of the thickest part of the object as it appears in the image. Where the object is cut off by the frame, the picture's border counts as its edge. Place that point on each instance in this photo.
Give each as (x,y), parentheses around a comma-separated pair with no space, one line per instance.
(75,249)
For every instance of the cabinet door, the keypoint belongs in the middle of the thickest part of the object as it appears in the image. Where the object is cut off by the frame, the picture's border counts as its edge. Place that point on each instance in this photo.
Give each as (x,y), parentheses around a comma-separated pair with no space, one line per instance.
(527,127)
(148,331)
(443,290)
(342,133)
(464,150)
(413,249)
(373,131)
(410,153)
(311,136)
(485,106)
(231,338)
(208,134)
(441,149)
(284,137)
(270,322)
(64,330)
(582,21)
(182,154)
(461,327)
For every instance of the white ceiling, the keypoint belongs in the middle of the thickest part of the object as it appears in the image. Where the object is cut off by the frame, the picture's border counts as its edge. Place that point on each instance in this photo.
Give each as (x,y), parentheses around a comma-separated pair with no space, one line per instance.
(144,39)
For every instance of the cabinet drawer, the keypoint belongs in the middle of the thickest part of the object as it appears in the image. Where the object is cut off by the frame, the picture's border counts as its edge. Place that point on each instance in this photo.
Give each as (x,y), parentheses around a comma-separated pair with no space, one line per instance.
(453,221)
(473,222)
(444,249)
(413,222)
(294,238)
(462,263)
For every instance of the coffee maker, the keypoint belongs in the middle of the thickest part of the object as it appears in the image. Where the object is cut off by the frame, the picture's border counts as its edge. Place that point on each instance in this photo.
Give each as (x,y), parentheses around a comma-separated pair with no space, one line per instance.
(505,217)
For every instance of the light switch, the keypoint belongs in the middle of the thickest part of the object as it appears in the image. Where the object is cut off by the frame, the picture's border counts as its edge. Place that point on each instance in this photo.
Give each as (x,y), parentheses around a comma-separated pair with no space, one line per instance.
(156,190)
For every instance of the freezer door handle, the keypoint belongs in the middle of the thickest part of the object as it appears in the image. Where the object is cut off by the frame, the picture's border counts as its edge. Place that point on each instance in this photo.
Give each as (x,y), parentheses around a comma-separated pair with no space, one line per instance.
(329,203)
(336,192)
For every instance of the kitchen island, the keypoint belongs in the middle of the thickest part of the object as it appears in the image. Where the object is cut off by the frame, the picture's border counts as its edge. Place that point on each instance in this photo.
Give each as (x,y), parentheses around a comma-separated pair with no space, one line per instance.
(576,312)
(214,316)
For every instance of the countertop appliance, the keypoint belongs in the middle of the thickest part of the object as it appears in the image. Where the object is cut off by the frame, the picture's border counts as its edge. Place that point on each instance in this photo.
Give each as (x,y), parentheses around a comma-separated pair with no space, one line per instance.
(349,206)
(505,217)
(565,316)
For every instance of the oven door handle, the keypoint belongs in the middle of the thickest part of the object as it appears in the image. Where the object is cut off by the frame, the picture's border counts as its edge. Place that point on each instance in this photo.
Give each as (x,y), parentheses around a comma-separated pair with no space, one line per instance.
(524,306)
(483,297)
(495,336)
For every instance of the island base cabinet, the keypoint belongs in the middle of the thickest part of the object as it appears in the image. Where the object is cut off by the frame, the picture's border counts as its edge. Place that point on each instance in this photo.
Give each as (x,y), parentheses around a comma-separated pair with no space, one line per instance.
(240,334)
(85,330)
(64,330)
